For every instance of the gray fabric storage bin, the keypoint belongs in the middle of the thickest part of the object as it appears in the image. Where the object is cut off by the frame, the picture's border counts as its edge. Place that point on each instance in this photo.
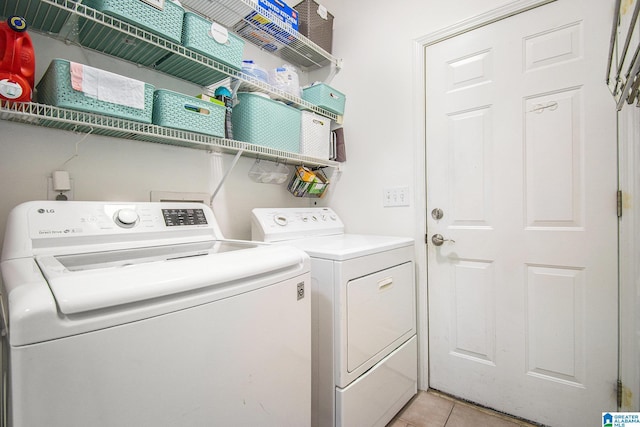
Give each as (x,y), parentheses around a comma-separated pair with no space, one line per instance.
(313,26)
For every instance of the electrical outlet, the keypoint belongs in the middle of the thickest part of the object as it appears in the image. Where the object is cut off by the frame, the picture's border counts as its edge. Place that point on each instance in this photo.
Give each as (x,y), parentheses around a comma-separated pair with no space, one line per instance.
(53,195)
(395,196)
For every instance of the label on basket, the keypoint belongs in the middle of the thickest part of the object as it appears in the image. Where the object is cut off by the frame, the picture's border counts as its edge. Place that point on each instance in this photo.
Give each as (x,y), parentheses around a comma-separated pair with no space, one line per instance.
(219,33)
(196,109)
(158,4)
(322,11)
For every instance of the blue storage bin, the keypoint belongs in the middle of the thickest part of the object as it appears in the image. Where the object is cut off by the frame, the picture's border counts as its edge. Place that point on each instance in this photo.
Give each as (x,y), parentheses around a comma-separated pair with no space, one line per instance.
(179,111)
(324,96)
(55,88)
(262,121)
(165,22)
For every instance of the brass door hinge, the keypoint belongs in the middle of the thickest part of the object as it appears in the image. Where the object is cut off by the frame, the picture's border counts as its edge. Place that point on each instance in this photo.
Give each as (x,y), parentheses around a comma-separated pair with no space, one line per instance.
(619,394)
(619,203)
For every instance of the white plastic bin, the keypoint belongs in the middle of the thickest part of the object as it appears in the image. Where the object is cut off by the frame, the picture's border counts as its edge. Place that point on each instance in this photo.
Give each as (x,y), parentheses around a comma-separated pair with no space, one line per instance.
(315,135)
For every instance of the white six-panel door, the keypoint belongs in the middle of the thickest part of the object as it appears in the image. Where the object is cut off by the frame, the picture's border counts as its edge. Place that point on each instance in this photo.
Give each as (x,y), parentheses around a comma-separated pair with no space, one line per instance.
(521,159)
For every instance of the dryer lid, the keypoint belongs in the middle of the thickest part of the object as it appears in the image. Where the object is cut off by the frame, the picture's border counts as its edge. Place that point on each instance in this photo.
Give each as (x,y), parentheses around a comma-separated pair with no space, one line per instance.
(348,246)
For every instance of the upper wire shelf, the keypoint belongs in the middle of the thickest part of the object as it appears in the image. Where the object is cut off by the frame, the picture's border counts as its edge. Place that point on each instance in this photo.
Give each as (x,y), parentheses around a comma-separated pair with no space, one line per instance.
(297,48)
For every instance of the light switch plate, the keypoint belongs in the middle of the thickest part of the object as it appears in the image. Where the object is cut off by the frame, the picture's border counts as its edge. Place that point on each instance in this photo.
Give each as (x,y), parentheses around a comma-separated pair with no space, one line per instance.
(395,196)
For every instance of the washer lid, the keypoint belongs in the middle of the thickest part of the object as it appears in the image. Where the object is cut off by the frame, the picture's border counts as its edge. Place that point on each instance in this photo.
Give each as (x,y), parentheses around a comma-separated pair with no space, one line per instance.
(90,281)
(348,246)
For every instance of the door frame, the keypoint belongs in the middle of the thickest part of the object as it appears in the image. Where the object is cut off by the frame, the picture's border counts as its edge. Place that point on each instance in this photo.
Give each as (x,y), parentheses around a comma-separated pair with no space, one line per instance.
(629,257)
(419,104)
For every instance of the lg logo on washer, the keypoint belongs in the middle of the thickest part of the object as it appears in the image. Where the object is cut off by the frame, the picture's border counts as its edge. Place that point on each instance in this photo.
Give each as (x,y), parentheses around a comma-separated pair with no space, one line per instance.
(46,211)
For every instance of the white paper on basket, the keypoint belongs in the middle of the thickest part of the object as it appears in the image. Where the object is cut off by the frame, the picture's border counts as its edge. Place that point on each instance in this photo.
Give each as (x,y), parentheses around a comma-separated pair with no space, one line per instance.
(107,87)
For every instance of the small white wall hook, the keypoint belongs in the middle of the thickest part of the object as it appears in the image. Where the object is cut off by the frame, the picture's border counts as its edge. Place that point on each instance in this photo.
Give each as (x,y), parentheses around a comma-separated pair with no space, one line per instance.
(81,140)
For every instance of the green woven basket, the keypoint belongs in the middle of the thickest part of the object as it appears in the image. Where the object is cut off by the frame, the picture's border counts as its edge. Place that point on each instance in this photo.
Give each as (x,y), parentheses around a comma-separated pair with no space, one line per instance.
(55,89)
(179,111)
(263,121)
(166,22)
(196,35)
(326,97)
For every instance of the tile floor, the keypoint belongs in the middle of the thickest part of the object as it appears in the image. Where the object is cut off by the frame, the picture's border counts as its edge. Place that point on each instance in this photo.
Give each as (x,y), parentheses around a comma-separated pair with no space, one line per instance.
(432,409)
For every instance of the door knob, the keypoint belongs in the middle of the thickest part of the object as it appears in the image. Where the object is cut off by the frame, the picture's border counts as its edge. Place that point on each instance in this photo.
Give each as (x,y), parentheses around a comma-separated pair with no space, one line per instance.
(438,240)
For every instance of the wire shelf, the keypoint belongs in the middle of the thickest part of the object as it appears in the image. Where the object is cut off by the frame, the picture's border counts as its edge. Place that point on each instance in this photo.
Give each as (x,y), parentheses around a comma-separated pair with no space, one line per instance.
(70,20)
(77,121)
(300,50)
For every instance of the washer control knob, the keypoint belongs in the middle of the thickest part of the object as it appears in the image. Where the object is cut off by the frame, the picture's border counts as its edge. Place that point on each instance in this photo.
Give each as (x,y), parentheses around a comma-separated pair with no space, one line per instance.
(126,218)
(281,220)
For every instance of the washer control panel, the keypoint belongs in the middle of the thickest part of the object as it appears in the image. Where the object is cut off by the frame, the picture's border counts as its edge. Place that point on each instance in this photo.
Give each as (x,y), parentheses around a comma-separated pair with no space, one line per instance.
(178,217)
(279,224)
(64,227)
(94,217)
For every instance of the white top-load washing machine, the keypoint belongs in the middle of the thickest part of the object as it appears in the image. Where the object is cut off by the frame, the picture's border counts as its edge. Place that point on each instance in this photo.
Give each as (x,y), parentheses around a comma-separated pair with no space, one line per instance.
(140,314)
(364,349)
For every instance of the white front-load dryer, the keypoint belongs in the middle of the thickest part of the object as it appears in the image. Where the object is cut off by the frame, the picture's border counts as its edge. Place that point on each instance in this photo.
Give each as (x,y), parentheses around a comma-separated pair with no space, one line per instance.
(364,352)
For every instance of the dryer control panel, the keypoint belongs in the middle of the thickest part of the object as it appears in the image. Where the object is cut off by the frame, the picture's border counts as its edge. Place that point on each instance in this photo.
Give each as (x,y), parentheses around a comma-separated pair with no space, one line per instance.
(280,224)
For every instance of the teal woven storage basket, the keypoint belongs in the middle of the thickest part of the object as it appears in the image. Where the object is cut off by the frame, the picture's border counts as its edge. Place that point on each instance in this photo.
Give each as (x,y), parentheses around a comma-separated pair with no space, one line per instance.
(196,36)
(166,23)
(179,111)
(263,121)
(326,97)
(55,89)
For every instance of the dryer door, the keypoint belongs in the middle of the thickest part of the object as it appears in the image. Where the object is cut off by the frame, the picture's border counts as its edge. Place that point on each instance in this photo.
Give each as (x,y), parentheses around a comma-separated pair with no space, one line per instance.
(380,314)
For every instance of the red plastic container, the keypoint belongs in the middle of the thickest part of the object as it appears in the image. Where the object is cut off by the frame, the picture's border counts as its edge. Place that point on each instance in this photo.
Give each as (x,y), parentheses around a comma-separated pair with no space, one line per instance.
(17,61)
